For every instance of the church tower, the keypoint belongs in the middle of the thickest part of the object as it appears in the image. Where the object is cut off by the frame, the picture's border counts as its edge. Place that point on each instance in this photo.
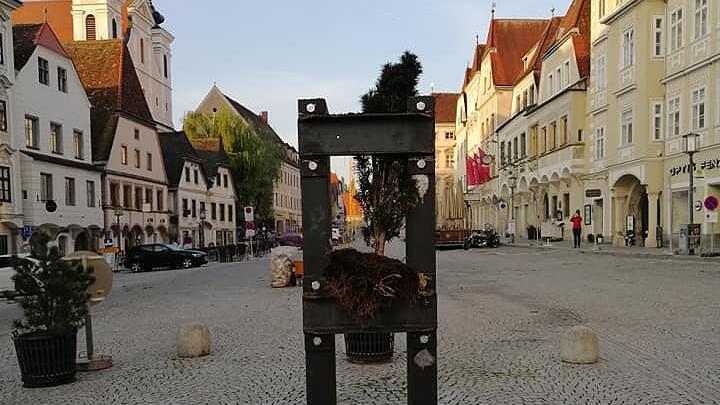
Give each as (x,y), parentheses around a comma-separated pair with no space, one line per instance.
(97,19)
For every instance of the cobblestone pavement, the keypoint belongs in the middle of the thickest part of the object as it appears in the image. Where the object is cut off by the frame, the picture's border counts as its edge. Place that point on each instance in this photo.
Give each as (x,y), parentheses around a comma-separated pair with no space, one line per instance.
(502,313)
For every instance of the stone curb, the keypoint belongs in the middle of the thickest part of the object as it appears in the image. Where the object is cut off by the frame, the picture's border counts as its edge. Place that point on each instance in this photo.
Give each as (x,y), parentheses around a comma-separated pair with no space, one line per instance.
(637,255)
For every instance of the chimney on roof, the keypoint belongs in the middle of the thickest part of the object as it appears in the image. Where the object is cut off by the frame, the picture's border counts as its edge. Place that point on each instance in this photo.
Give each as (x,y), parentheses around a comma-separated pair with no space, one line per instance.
(264,115)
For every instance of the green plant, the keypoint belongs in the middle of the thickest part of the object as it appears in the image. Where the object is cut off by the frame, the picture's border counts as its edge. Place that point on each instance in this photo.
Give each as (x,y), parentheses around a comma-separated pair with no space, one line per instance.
(387,191)
(52,292)
(255,159)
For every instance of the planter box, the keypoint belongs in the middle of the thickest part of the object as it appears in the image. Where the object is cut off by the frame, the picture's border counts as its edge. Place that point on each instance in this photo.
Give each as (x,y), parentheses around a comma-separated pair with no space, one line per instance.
(46,360)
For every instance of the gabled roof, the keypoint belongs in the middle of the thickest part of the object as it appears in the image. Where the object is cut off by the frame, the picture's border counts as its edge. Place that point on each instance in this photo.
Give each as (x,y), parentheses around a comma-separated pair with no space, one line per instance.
(28,37)
(445,106)
(507,42)
(251,118)
(176,150)
(578,17)
(212,152)
(477,57)
(547,39)
(107,72)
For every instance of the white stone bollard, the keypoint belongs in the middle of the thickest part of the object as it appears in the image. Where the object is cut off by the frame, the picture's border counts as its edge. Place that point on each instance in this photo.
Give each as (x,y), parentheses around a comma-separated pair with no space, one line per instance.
(193,340)
(580,345)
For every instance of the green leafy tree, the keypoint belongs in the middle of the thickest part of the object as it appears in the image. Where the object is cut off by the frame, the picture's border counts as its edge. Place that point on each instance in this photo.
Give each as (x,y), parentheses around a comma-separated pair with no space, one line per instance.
(386,190)
(52,291)
(255,159)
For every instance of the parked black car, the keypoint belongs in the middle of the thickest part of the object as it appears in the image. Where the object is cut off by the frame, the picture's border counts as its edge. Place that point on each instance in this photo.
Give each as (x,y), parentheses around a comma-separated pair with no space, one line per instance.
(148,257)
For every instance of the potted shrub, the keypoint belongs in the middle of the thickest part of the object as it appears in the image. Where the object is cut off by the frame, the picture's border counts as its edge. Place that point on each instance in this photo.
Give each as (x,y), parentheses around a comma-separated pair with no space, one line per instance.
(53,295)
(364,283)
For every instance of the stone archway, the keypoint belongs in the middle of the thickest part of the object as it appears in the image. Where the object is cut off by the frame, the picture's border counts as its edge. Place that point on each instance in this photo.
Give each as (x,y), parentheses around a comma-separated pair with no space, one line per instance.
(82,241)
(631,209)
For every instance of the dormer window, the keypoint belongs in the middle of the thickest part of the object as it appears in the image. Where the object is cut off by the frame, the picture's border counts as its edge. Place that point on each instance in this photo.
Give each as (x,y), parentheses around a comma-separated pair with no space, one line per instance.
(90,28)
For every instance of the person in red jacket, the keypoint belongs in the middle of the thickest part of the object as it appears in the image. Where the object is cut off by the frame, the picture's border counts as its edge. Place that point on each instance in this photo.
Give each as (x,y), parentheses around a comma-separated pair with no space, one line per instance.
(577,228)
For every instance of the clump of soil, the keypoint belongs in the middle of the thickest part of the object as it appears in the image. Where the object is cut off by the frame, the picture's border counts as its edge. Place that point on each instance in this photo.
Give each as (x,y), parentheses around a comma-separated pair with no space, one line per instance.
(363,283)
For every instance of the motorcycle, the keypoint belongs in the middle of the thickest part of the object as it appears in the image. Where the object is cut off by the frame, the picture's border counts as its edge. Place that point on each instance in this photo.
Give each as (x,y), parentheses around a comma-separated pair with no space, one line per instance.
(486,237)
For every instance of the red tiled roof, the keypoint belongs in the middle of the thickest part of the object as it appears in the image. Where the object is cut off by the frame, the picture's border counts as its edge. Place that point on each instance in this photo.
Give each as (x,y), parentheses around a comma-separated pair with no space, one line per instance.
(578,16)
(445,106)
(508,41)
(477,57)
(107,72)
(27,37)
(547,39)
(468,77)
(58,16)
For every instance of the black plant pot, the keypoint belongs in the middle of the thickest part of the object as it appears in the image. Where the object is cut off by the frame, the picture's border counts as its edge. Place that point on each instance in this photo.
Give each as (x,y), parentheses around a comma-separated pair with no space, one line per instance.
(363,348)
(46,360)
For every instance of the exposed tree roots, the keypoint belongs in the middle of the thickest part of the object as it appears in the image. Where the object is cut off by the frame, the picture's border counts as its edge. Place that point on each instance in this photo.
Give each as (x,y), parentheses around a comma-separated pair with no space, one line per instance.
(363,283)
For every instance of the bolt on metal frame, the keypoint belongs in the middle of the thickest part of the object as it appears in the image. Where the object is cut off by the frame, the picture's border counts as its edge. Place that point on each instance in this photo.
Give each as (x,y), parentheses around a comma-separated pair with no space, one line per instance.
(407,136)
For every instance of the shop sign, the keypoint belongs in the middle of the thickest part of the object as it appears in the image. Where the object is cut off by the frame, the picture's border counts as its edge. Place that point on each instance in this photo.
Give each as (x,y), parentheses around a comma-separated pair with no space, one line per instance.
(595,193)
(709,164)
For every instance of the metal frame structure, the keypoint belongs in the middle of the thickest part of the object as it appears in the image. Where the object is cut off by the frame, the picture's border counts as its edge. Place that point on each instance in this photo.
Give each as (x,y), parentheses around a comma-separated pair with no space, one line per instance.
(408,136)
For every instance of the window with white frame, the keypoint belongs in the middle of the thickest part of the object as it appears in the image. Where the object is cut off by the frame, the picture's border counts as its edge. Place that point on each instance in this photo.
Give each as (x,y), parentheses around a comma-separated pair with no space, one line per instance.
(550,82)
(673,117)
(657,120)
(628,48)
(558,79)
(676,29)
(658,45)
(698,109)
(566,74)
(600,143)
(701,20)
(626,125)
(600,75)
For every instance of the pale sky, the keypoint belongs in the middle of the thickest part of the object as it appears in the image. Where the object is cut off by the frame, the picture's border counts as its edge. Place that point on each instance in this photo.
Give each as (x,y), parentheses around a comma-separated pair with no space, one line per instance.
(267,54)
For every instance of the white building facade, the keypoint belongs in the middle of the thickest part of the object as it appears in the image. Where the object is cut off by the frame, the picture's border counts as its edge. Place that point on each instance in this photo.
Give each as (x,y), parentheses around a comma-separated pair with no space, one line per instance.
(51,127)
(11,210)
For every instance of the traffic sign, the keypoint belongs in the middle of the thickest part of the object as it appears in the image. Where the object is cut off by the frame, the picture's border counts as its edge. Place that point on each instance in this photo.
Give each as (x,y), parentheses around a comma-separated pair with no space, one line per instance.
(249,214)
(109,242)
(27,231)
(502,205)
(711,203)
(698,205)
(250,226)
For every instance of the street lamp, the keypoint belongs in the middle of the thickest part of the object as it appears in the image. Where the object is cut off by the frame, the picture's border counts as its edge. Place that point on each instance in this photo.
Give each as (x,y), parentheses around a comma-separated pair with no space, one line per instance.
(690,142)
(512,179)
(118,214)
(201,233)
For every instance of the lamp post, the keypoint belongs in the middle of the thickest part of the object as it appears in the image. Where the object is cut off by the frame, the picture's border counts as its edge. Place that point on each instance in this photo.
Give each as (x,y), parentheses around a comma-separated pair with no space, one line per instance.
(690,147)
(512,179)
(118,214)
(201,234)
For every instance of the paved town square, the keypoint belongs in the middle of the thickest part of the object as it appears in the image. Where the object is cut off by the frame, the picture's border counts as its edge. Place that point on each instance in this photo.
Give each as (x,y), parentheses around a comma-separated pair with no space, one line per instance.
(502,313)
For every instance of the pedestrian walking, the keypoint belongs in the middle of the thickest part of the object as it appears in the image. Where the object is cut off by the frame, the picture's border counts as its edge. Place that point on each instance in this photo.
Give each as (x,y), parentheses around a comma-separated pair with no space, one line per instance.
(577,228)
